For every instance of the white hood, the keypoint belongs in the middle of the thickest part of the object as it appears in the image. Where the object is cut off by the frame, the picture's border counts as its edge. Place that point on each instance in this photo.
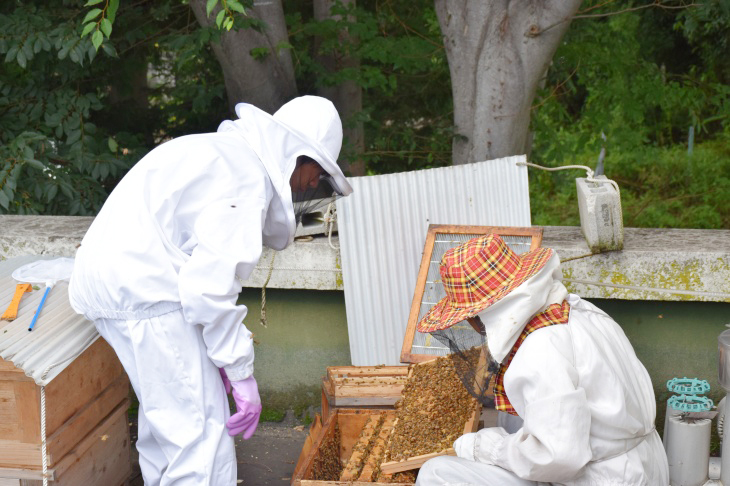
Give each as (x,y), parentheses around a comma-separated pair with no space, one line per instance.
(308,125)
(505,320)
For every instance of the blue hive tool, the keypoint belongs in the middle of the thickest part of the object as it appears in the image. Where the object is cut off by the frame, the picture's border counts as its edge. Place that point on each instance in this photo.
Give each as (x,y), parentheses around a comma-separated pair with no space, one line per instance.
(49,272)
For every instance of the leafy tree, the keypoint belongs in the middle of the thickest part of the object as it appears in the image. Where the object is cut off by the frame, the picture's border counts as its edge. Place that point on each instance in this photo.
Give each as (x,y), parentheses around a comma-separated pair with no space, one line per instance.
(70,127)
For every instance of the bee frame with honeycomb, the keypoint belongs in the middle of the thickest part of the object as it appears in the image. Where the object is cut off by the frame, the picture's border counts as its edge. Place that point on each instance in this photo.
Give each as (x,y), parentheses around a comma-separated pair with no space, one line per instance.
(434,411)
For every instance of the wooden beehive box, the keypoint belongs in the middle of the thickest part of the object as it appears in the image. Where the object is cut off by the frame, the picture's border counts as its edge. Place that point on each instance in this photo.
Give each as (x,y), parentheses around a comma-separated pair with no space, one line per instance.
(375,389)
(86,397)
(362,386)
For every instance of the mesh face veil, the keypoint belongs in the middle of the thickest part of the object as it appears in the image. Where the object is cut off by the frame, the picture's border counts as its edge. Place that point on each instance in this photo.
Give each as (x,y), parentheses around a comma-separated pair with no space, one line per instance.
(312,190)
(474,365)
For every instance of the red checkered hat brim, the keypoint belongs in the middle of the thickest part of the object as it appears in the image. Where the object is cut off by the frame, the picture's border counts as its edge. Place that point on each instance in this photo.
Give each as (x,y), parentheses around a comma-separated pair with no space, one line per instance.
(447,312)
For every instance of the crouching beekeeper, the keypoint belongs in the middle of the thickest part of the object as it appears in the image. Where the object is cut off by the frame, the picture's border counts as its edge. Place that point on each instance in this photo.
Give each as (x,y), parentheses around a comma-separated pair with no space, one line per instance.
(565,368)
(159,273)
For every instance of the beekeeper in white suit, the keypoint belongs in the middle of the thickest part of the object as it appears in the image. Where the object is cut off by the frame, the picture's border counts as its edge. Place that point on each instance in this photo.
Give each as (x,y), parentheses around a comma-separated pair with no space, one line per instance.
(160,269)
(565,368)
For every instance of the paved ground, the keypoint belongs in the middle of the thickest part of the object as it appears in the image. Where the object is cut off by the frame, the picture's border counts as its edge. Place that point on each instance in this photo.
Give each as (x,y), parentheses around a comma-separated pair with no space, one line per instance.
(268,458)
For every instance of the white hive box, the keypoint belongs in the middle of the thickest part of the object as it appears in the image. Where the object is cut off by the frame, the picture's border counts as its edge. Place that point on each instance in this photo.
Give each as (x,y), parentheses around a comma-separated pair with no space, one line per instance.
(86,394)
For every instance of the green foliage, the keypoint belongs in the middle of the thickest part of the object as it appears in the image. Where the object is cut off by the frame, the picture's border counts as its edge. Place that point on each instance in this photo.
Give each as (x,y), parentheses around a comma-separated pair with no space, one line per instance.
(644,89)
(70,128)
(88,87)
(407,110)
(660,188)
(272,415)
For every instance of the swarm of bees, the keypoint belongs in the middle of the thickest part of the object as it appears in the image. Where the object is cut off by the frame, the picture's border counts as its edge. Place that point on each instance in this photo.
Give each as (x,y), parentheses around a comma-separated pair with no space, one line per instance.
(327,465)
(432,411)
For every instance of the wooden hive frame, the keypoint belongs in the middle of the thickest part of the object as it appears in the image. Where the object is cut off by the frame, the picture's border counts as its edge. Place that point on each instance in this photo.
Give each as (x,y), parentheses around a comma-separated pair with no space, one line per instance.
(471,425)
(431,259)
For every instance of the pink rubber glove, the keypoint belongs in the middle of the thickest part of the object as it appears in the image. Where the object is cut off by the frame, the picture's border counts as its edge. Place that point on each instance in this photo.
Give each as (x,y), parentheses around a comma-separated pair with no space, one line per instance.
(248,404)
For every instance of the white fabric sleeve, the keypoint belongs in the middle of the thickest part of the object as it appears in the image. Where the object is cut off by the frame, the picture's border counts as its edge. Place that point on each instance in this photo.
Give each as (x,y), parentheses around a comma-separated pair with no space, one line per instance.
(553,444)
(229,246)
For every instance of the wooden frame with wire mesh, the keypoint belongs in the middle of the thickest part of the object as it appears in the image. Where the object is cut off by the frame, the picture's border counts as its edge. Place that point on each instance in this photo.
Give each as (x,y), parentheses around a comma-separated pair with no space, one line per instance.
(418,347)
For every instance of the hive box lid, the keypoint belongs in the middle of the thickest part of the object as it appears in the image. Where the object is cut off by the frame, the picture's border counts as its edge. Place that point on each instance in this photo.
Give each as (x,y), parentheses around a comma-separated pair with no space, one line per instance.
(59,334)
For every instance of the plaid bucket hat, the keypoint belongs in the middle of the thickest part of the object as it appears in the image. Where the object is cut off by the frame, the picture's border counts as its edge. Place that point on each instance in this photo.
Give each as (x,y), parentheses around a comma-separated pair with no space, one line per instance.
(476,275)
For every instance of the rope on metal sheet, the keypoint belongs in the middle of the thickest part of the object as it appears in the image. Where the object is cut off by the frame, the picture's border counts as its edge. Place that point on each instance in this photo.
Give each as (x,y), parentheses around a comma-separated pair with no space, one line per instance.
(330,218)
(44,451)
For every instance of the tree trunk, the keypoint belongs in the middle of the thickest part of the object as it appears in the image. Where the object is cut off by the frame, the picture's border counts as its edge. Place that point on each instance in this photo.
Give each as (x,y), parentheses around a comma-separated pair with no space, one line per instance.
(497,53)
(266,83)
(347,96)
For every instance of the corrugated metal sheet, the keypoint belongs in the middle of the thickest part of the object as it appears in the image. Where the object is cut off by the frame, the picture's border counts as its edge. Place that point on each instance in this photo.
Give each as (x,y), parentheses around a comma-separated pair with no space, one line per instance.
(59,333)
(382,229)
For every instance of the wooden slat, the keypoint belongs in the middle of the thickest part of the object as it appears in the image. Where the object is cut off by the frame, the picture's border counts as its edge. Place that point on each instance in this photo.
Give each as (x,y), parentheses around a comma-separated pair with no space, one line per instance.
(378,451)
(327,430)
(19,455)
(406,356)
(310,482)
(314,431)
(26,474)
(102,457)
(367,386)
(86,419)
(28,401)
(80,382)
(365,371)
(413,462)
(359,452)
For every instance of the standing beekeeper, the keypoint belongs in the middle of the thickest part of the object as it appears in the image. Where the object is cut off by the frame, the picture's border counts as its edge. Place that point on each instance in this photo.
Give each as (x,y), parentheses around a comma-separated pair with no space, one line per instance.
(566,369)
(160,270)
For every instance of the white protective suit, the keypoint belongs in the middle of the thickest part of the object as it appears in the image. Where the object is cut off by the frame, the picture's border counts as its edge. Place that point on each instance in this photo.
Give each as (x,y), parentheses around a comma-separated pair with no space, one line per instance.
(586,400)
(159,272)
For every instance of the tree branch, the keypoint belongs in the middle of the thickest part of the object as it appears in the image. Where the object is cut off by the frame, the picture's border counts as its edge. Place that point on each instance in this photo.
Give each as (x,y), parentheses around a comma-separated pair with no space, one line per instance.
(534,31)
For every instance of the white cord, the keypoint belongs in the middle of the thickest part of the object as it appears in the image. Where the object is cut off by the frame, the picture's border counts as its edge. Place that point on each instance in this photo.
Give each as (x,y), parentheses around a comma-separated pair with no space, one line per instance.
(44,452)
(589,177)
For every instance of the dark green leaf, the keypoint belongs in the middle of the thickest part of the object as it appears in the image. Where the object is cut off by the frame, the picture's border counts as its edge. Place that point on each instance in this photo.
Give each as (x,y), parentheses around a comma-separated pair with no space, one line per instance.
(91,15)
(106,27)
(111,11)
(209,6)
(36,164)
(236,6)
(88,28)
(97,38)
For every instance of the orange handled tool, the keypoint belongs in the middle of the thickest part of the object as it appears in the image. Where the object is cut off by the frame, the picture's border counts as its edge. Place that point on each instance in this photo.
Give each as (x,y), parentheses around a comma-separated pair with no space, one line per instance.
(12,311)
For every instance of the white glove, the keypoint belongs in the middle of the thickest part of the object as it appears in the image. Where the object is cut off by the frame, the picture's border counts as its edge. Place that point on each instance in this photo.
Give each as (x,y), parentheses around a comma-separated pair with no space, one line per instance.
(480,446)
(464,446)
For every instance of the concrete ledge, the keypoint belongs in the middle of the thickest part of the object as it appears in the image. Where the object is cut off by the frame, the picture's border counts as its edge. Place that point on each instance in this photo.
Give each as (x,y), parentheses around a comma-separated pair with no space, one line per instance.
(307,264)
(655,264)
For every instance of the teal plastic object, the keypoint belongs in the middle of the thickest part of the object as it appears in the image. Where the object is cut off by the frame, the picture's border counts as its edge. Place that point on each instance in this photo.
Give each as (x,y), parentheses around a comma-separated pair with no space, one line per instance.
(690,403)
(688,386)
